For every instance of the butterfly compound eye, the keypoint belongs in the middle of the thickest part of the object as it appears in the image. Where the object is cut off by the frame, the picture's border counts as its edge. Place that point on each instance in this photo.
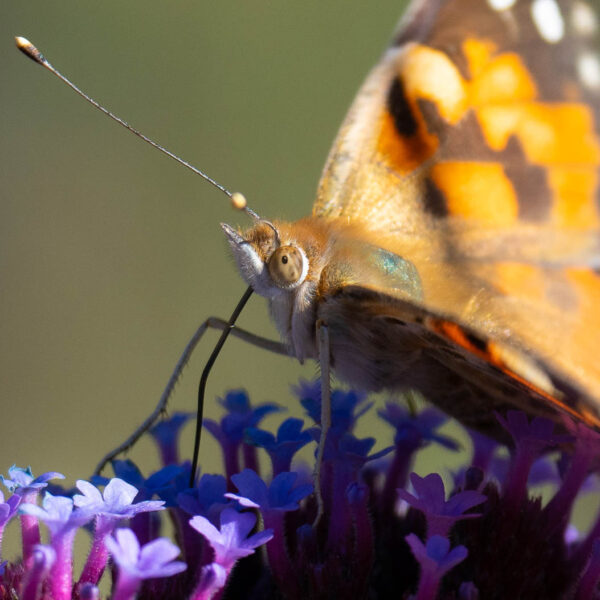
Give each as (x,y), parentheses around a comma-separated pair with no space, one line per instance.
(287,266)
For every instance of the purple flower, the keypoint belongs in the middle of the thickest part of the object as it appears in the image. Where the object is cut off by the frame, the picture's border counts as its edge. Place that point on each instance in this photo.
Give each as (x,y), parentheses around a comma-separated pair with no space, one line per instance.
(483,449)
(441,514)
(413,431)
(43,559)
(416,430)
(281,448)
(110,507)
(206,499)
(230,431)
(280,495)
(59,515)
(21,481)
(128,471)
(240,415)
(151,560)
(23,484)
(346,406)
(168,482)
(116,501)
(531,439)
(213,577)
(436,559)
(230,542)
(135,563)
(8,509)
(537,435)
(166,435)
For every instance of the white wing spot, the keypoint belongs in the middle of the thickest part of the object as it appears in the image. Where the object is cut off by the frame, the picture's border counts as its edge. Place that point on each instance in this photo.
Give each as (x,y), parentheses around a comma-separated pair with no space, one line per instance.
(501,4)
(583,19)
(548,20)
(588,69)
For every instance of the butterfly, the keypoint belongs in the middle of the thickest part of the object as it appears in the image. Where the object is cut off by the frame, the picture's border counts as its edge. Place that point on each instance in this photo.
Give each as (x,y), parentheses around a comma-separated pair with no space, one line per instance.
(454,245)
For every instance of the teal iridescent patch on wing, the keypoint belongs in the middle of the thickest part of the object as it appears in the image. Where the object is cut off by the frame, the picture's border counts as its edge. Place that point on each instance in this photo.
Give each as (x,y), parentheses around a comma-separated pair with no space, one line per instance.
(399,273)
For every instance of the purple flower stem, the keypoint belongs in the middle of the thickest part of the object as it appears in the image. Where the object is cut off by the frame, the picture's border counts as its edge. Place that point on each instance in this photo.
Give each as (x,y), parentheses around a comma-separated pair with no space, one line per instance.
(250,459)
(1,537)
(30,531)
(559,508)
(231,460)
(582,552)
(277,553)
(168,454)
(396,477)
(428,586)
(589,581)
(61,573)
(98,556)
(33,581)
(439,525)
(208,588)
(364,543)
(188,539)
(516,481)
(146,526)
(340,523)
(126,588)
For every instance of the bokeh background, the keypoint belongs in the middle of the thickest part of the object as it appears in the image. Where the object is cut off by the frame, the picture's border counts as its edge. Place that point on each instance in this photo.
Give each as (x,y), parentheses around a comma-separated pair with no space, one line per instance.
(110,253)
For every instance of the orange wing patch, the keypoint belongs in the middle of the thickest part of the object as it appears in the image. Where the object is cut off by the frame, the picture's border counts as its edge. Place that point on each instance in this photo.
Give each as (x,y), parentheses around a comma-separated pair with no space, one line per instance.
(558,133)
(503,103)
(405,153)
(466,184)
(572,188)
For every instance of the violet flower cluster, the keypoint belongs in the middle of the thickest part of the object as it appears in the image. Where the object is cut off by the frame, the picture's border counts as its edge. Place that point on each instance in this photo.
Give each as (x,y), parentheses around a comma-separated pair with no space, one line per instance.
(252,533)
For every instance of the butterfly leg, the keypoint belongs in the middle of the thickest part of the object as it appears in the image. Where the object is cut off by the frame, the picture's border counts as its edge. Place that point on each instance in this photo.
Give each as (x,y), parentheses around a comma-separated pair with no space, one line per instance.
(324,362)
(210,323)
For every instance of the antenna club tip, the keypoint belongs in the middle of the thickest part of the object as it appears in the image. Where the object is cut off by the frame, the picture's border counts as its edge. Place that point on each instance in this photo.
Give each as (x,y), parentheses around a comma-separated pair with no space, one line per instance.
(25,46)
(238,201)
(22,42)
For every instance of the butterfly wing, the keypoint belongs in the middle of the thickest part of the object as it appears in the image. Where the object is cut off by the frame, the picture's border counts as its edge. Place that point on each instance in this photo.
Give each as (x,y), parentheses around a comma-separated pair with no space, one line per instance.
(473,151)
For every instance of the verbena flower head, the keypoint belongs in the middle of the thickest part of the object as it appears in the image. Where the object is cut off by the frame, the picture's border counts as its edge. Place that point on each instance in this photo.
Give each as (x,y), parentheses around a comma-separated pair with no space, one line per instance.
(231,541)
(21,481)
(281,495)
(58,513)
(116,501)
(9,508)
(441,514)
(155,559)
(377,531)
(281,447)
(166,435)
(208,498)
(416,429)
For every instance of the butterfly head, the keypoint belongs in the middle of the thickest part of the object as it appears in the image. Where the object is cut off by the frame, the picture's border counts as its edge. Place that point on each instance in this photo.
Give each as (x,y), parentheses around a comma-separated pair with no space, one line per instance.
(269,263)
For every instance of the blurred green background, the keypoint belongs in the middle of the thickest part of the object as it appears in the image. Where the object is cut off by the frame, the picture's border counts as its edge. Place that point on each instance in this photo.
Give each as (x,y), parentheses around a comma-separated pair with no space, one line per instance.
(111,254)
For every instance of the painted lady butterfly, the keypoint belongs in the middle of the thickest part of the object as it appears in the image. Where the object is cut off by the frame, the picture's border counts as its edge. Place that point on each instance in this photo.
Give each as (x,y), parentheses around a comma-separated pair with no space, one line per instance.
(454,244)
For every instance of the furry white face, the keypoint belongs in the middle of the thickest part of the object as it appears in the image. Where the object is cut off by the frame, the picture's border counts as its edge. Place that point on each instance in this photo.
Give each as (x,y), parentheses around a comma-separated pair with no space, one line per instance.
(269,267)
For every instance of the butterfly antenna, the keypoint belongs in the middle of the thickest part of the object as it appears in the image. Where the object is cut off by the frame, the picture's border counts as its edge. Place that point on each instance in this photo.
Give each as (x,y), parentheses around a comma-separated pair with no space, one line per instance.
(238,200)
